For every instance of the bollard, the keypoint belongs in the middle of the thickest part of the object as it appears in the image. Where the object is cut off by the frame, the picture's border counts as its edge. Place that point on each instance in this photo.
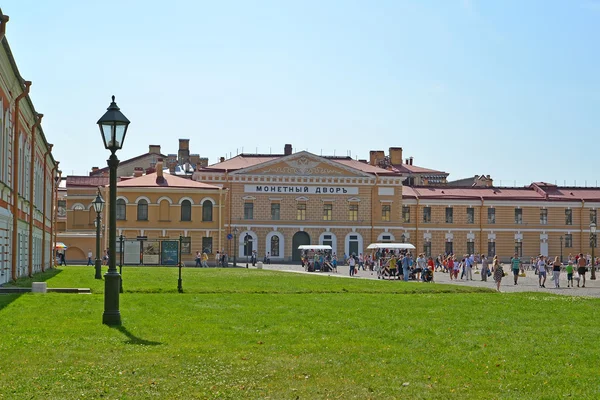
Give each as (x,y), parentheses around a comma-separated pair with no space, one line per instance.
(39,287)
(259,265)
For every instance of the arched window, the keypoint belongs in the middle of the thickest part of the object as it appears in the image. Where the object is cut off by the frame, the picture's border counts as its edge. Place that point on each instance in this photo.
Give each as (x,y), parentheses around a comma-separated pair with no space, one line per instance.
(275,246)
(186,210)
(207,209)
(142,210)
(121,210)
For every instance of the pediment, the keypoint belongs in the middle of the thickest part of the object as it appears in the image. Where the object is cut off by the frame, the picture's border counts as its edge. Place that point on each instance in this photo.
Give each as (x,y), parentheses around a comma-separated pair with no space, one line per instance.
(302,164)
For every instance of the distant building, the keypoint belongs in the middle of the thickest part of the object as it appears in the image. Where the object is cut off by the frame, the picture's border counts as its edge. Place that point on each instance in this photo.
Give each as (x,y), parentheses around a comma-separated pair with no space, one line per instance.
(476,181)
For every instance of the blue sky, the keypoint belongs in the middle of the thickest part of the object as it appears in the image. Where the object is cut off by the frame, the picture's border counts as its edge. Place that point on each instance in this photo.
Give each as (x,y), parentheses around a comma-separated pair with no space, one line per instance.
(508,88)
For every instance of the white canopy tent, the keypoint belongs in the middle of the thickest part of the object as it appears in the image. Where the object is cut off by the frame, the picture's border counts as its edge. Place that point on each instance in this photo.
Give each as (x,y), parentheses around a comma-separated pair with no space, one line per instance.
(314,247)
(390,246)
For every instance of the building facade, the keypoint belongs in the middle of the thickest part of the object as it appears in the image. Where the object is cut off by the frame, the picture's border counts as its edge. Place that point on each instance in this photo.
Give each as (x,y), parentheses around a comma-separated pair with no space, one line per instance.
(278,202)
(27,175)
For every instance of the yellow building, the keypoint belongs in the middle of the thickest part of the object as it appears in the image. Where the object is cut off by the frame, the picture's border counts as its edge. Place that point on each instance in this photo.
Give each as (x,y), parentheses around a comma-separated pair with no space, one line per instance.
(158,207)
(278,202)
(27,175)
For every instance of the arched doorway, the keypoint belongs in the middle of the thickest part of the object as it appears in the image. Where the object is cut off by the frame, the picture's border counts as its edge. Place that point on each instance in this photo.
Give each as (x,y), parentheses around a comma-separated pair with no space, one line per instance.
(299,239)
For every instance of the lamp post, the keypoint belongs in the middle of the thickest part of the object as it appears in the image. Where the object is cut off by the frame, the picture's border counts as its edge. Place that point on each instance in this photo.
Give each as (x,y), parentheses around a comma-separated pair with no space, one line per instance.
(121,240)
(113,127)
(246,241)
(98,207)
(561,244)
(179,282)
(593,245)
(235,245)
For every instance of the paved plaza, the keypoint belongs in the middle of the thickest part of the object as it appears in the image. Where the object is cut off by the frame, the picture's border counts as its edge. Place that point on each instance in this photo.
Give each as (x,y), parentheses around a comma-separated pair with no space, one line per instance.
(528,283)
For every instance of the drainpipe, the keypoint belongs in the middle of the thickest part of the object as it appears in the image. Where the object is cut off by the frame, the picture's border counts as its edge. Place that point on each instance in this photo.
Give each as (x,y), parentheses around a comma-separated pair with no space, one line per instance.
(44,206)
(31,192)
(417,224)
(220,220)
(581,226)
(481,228)
(3,20)
(55,230)
(15,177)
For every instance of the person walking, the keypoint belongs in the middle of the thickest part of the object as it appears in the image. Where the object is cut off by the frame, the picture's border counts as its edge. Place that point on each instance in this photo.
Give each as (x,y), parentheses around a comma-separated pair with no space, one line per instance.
(393,266)
(515,263)
(498,272)
(541,265)
(204,259)
(484,268)
(90,255)
(569,270)
(469,267)
(406,264)
(351,264)
(581,268)
(198,259)
(556,272)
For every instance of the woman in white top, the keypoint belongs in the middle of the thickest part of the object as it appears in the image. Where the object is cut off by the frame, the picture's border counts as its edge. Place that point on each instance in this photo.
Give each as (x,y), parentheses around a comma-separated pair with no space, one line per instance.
(542,272)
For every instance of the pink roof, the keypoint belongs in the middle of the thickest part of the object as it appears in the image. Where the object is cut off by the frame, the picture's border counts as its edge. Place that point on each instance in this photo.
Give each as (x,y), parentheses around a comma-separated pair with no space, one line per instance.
(364,167)
(172,181)
(571,194)
(91,181)
(413,169)
(470,193)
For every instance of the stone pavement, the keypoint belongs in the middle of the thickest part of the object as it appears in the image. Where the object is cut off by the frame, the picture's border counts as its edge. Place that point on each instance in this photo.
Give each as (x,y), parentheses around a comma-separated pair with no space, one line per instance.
(528,283)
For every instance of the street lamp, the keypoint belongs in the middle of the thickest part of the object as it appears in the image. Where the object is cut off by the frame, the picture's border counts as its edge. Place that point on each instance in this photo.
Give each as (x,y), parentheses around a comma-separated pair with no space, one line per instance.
(592,245)
(98,207)
(561,244)
(403,238)
(235,245)
(246,241)
(113,127)
(121,240)
(179,281)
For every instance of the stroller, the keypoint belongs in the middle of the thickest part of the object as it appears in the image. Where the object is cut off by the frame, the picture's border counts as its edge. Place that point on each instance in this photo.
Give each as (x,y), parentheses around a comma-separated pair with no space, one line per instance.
(427,275)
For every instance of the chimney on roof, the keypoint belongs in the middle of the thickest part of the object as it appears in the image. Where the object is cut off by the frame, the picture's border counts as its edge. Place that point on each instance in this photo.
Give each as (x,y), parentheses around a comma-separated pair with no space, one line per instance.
(375,156)
(202,162)
(159,169)
(154,149)
(94,170)
(183,155)
(396,155)
(287,150)
(410,160)
(138,171)
(222,159)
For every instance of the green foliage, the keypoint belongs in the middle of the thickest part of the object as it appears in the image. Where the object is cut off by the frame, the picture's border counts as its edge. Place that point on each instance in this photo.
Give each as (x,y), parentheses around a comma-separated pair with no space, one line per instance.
(237,333)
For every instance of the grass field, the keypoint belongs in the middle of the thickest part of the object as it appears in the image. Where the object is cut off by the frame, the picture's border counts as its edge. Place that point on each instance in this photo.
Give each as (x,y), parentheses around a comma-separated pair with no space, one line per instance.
(238,333)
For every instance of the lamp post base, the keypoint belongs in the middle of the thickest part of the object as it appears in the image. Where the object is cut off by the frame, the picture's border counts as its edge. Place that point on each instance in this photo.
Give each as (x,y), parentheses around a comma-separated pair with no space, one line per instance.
(111,315)
(98,269)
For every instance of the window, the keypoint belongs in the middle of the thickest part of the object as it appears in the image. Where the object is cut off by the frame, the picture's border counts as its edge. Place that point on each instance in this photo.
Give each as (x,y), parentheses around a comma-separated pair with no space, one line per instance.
(186,210)
(426,214)
(386,239)
(544,216)
(568,240)
(248,210)
(449,215)
(186,245)
(491,215)
(207,245)
(121,210)
(207,211)
(518,216)
(142,210)
(470,248)
(519,248)
(301,211)
(386,210)
(470,215)
(275,211)
(593,216)
(491,249)
(275,246)
(427,249)
(406,214)
(327,240)
(327,211)
(449,248)
(568,216)
(353,212)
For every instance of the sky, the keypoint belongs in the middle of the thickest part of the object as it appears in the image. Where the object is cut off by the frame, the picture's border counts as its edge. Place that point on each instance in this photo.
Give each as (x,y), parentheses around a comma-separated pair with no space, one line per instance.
(505,88)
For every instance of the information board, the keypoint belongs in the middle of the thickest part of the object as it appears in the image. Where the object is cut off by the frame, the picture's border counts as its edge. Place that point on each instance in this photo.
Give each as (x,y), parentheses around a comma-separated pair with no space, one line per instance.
(131,256)
(169,252)
(151,252)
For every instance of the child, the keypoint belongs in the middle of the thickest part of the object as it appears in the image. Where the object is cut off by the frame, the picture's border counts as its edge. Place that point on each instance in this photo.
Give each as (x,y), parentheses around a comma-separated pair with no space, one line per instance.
(569,270)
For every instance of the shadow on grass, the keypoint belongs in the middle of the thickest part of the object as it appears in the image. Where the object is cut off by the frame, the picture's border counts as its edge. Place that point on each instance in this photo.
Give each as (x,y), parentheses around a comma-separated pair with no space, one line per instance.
(134,339)
(7,298)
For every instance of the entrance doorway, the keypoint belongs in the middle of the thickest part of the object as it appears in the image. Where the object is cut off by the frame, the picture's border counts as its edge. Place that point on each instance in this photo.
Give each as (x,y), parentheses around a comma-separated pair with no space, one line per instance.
(299,239)
(353,245)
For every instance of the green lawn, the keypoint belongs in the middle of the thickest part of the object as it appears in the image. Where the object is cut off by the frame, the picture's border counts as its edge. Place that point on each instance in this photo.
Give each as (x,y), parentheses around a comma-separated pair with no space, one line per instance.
(238,333)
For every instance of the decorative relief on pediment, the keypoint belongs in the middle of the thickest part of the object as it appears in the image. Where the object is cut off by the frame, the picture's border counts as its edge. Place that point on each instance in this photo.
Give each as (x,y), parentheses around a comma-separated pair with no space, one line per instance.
(302,166)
